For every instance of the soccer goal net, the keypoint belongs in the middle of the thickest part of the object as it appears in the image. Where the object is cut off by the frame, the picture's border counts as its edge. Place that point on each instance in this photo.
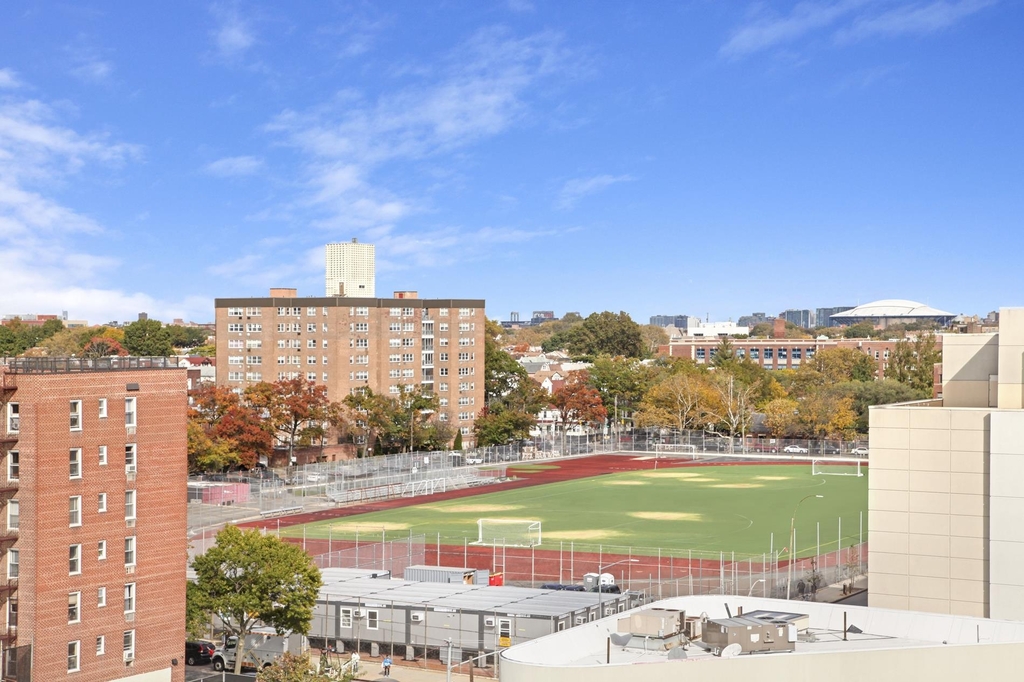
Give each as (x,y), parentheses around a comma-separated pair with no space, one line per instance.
(831,467)
(508,532)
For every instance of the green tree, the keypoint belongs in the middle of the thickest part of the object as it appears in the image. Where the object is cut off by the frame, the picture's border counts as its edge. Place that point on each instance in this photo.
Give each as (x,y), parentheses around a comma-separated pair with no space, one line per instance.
(10,345)
(653,336)
(186,337)
(458,441)
(865,394)
(913,362)
(147,338)
(861,330)
(601,333)
(249,578)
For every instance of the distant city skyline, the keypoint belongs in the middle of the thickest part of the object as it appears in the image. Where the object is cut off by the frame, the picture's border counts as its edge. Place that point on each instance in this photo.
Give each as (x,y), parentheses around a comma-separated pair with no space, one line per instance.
(659,158)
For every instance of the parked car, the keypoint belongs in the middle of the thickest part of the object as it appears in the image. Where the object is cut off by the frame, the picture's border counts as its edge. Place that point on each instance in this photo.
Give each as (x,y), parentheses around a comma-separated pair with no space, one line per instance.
(859,451)
(199,652)
(474,459)
(316,478)
(795,449)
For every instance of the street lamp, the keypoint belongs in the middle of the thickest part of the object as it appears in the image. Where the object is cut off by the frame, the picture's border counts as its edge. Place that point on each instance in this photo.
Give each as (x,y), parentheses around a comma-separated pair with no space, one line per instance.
(750,592)
(792,541)
(600,585)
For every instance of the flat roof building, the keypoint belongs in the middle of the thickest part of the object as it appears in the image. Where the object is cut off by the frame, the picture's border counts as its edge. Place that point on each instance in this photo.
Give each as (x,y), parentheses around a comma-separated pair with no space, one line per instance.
(946,490)
(803,641)
(93,550)
(392,346)
(351,269)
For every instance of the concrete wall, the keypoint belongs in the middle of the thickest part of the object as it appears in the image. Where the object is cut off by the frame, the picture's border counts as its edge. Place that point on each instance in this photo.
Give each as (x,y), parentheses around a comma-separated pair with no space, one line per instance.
(1011,358)
(969,361)
(1006,502)
(927,509)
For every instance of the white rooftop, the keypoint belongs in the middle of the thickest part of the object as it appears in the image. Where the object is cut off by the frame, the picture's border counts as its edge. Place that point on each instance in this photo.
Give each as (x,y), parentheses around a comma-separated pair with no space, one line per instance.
(586,645)
(891,307)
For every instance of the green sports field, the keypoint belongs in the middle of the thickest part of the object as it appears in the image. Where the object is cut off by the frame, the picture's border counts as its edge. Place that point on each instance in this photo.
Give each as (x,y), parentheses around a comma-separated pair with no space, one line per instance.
(712,508)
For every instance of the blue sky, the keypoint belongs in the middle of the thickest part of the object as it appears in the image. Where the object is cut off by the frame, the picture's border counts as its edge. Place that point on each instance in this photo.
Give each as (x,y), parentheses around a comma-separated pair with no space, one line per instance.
(677,157)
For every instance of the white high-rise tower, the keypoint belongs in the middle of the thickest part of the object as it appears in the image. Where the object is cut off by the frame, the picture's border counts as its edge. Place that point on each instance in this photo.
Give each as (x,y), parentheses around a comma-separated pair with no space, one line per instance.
(351,270)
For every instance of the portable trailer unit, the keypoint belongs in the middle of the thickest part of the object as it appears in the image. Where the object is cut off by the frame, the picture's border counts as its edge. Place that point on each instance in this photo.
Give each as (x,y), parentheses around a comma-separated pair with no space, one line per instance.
(448,574)
(754,635)
(416,616)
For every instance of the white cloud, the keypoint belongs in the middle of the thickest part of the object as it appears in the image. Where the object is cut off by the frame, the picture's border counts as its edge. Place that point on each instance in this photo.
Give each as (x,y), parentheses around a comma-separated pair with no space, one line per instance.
(234,166)
(233,36)
(847,20)
(477,91)
(8,79)
(577,188)
(912,20)
(46,247)
(93,70)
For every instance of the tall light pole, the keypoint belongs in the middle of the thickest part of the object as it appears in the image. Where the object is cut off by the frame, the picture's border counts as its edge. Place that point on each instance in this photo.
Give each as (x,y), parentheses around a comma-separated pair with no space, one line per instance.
(792,541)
(600,585)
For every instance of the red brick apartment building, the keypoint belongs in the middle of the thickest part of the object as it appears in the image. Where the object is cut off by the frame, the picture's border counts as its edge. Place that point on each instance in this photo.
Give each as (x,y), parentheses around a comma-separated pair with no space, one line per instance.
(92,503)
(782,353)
(390,345)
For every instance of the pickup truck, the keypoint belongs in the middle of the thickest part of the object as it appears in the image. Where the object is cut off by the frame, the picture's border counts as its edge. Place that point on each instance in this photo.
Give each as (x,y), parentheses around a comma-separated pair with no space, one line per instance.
(260,651)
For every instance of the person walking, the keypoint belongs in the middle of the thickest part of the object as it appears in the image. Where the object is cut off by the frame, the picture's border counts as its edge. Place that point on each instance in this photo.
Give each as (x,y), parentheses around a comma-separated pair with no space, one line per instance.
(386,664)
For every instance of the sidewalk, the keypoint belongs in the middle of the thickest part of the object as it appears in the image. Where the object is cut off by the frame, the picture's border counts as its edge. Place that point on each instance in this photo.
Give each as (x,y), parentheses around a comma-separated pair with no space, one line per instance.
(834,593)
(371,673)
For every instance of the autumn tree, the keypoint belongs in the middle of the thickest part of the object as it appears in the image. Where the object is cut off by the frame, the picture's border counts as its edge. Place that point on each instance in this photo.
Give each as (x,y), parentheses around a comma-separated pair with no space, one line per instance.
(826,414)
(577,402)
(297,410)
(835,365)
(866,394)
(780,417)
(294,668)
(734,402)
(249,578)
(653,337)
(63,343)
(680,401)
(225,431)
(101,346)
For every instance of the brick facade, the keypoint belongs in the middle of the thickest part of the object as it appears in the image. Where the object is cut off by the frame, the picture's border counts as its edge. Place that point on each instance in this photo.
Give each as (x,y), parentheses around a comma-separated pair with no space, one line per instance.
(45,484)
(390,345)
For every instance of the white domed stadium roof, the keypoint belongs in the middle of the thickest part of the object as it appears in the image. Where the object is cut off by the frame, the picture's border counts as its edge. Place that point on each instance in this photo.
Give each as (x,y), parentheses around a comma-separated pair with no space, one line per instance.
(891,307)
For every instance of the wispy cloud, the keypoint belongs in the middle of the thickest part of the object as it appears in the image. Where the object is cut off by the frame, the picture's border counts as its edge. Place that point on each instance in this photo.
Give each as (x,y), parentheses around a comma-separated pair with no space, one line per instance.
(233,35)
(845,21)
(45,245)
(577,188)
(86,63)
(232,166)
(912,20)
(8,79)
(477,91)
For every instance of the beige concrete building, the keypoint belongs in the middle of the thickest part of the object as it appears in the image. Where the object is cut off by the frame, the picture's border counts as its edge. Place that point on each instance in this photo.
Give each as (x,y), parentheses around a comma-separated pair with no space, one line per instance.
(946,489)
(884,645)
(390,345)
(351,270)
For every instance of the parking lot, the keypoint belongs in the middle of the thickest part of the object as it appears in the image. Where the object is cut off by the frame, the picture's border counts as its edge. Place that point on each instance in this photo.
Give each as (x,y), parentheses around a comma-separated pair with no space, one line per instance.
(198,673)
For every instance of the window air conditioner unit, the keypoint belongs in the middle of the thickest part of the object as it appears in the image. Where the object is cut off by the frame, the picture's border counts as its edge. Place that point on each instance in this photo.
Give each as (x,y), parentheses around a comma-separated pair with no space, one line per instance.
(488,622)
(129,523)
(129,468)
(129,656)
(359,613)
(416,617)
(129,617)
(129,570)
(130,430)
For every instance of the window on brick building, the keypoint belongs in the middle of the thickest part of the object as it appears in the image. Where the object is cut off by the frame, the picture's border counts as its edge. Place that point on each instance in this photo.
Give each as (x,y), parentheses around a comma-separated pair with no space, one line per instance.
(129,645)
(76,415)
(129,411)
(13,418)
(73,662)
(74,559)
(13,515)
(101,597)
(13,465)
(103,408)
(75,510)
(12,563)
(102,455)
(101,645)
(129,551)
(75,607)
(129,505)
(129,598)
(75,463)
(12,613)
(129,457)
(101,550)
(101,503)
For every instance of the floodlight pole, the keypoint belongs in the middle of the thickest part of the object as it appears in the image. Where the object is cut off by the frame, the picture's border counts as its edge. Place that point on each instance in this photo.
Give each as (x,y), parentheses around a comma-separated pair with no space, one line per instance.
(792,541)
(600,585)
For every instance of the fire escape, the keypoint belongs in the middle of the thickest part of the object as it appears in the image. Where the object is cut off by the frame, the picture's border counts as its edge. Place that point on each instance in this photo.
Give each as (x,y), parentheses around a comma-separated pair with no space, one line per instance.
(8,518)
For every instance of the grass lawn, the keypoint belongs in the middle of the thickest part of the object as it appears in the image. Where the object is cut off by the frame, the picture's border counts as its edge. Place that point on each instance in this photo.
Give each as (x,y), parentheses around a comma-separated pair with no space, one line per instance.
(715,508)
